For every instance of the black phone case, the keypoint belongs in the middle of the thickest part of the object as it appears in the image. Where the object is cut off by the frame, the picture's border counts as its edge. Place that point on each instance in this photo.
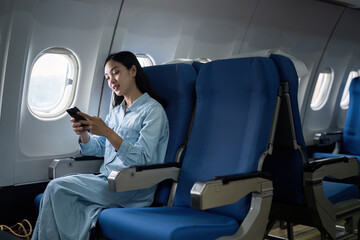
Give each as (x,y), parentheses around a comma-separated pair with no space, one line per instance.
(73,113)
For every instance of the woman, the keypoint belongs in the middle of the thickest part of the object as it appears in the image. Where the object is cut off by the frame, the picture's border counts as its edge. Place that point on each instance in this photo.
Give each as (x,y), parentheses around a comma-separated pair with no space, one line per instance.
(134,133)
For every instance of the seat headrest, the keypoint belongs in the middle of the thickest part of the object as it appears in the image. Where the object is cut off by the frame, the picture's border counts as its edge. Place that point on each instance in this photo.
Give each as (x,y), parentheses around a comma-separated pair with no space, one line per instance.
(300,66)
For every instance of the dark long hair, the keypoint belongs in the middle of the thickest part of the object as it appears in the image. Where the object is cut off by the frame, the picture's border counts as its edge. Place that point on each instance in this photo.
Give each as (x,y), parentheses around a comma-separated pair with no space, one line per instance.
(128,59)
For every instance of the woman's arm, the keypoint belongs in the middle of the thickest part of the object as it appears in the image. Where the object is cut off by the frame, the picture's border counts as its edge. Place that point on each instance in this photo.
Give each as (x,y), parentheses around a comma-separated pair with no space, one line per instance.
(90,144)
(79,130)
(151,145)
(98,127)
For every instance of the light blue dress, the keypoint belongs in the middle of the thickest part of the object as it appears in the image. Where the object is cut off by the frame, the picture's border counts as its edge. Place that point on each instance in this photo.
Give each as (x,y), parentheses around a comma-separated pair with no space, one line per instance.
(71,205)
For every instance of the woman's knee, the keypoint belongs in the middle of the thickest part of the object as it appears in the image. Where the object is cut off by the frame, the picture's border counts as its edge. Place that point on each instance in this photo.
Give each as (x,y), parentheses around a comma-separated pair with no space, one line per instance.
(59,183)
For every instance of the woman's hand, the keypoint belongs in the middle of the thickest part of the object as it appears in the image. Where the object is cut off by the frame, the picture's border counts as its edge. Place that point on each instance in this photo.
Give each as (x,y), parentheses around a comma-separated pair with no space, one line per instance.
(80,130)
(95,125)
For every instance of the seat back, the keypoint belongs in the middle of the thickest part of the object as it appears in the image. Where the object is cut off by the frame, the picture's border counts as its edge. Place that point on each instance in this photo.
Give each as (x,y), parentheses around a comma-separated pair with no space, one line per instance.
(351,133)
(235,103)
(175,84)
(289,153)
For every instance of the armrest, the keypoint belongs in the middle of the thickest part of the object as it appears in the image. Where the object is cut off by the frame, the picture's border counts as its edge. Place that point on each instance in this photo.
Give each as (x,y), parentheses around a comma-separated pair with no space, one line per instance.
(74,165)
(327,138)
(87,158)
(141,177)
(229,189)
(338,167)
(316,164)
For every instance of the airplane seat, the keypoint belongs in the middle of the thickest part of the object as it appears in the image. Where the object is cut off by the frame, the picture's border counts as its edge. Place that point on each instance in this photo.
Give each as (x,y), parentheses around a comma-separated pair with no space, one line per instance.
(175,84)
(197,65)
(37,201)
(351,133)
(289,182)
(179,60)
(235,106)
(350,137)
(199,62)
(338,192)
(300,194)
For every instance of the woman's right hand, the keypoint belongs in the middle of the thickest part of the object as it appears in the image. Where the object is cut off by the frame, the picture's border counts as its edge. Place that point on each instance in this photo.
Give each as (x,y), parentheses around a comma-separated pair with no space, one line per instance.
(79,130)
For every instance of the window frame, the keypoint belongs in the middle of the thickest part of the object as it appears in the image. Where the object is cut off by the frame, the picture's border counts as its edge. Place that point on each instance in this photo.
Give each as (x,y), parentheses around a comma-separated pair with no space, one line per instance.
(322,89)
(345,97)
(145,60)
(72,76)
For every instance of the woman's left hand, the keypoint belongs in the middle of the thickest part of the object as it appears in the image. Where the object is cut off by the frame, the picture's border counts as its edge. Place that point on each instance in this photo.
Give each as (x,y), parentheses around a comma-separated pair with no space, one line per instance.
(94,124)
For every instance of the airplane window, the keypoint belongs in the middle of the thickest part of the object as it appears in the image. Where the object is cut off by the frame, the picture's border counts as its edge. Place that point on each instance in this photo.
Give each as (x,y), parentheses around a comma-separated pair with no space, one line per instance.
(145,60)
(322,89)
(345,99)
(52,82)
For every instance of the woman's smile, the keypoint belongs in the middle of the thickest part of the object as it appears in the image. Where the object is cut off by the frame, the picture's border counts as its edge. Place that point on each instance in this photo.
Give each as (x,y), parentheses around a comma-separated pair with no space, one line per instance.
(116,88)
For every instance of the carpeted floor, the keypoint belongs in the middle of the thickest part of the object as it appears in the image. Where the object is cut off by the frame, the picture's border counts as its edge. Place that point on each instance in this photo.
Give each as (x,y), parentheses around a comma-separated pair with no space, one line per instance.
(305,233)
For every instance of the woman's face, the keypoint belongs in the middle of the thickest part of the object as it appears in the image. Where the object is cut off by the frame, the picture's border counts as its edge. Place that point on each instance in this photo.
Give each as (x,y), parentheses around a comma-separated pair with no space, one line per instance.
(120,79)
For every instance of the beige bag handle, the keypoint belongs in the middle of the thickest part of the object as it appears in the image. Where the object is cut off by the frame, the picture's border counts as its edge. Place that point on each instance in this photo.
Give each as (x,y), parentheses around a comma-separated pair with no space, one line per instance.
(21,232)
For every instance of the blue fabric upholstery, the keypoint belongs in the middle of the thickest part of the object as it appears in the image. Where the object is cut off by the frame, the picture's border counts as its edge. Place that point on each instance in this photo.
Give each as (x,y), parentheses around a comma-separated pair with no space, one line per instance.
(329,155)
(234,110)
(37,201)
(351,133)
(338,192)
(175,223)
(175,83)
(286,164)
(235,97)
(198,66)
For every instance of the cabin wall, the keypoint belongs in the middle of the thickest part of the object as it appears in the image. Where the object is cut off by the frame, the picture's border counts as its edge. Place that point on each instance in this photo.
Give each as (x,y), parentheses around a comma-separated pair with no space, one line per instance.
(28,143)
(342,55)
(7,165)
(169,30)
(315,32)
(211,29)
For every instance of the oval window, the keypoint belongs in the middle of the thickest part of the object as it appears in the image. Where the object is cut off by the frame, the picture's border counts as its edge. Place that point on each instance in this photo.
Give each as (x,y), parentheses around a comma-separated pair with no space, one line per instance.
(145,60)
(52,82)
(322,89)
(345,99)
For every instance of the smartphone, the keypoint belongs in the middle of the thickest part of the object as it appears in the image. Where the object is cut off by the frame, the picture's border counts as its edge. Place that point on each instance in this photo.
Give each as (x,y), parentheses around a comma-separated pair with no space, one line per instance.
(73,113)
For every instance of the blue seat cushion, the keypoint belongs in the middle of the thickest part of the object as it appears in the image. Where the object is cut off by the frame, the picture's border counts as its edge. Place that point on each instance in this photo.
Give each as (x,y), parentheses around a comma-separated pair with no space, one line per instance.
(37,201)
(197,66)
(158,223)
(351,133)
(338,192)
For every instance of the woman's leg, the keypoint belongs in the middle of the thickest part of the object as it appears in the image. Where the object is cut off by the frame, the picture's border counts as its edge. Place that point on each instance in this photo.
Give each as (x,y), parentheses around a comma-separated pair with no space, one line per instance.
(70,206)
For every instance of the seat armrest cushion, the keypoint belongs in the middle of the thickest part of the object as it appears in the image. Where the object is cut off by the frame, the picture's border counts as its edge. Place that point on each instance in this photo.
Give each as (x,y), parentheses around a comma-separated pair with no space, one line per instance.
(337,167)
(156,166)
(235,177)
(316,164)
(327,138)
(69,166)
(87,158)
(227,190)
(141,177)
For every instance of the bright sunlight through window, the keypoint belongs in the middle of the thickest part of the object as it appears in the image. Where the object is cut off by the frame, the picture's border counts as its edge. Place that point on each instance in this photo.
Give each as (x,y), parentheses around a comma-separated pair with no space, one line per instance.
(345,99)
(145,60)
(322,89)
(52,82)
